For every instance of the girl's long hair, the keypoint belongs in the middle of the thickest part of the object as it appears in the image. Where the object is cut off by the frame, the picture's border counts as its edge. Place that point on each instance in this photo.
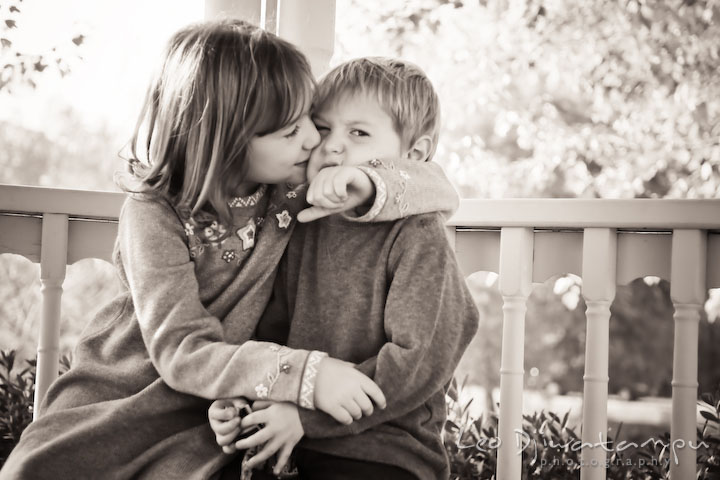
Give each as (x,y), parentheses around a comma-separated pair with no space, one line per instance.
(220,85)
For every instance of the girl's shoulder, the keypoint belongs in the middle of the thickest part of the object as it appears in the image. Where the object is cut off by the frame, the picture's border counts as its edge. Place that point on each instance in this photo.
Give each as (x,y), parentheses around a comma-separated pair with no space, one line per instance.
(149,212)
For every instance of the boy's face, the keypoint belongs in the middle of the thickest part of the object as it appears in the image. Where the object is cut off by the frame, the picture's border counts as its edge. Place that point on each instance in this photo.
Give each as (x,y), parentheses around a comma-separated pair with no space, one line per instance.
(353,130)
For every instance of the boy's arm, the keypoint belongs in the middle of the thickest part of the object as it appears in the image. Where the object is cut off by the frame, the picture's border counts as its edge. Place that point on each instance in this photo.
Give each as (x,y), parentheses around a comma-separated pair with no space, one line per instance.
(427,332)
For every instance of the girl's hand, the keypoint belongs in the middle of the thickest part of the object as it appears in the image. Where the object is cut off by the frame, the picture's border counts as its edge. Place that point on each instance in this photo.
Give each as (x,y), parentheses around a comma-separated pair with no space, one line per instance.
(337,189)
(344,392)
(225,421)
(280,431)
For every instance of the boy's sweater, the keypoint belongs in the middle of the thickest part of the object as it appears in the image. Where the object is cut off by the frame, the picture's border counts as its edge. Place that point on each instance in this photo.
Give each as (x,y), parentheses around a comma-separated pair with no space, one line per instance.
(389,297)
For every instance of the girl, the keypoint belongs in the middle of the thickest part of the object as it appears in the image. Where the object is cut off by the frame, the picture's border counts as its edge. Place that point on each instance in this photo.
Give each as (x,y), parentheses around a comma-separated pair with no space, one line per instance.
(199,241)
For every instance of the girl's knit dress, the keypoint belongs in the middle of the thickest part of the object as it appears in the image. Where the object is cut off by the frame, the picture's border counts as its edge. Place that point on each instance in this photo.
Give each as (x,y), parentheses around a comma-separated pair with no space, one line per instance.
(134,404)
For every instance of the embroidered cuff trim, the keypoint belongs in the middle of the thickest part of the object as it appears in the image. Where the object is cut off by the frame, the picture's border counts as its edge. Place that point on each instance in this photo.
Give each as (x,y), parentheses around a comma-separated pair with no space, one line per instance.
(264,389)
(307,387)
(380,195)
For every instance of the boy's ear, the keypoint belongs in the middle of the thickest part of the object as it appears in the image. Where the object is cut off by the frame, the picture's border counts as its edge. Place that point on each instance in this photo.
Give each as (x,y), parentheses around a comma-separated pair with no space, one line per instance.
(420,150)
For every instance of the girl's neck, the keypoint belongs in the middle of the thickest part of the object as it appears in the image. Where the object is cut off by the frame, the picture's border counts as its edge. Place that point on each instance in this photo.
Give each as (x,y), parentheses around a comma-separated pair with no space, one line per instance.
(246,189)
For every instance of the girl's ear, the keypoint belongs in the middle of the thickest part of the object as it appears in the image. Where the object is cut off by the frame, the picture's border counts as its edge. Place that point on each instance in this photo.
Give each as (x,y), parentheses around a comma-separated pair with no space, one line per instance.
(420,150)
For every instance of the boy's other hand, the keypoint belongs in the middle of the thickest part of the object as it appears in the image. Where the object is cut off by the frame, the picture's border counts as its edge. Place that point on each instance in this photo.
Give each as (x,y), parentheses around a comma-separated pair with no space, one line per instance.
(337,189)
(345,393)
(280,430)
(225,421)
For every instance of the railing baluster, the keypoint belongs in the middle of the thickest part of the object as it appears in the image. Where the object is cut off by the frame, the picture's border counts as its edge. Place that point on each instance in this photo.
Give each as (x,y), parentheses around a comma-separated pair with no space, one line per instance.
(516,260)
(687,290)
(598,271)
(53,259)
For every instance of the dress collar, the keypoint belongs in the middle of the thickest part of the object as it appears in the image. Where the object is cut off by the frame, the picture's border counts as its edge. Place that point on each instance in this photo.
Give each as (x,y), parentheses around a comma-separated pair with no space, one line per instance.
(250,200)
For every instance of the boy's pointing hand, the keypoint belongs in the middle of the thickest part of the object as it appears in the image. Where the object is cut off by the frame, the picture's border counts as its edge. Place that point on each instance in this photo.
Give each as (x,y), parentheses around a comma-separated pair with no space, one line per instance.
(337,189)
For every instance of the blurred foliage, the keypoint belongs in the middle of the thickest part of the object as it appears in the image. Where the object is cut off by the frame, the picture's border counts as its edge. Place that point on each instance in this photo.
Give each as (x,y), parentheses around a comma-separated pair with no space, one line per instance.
(88,286)
(641,339)
(551,445)
(21,67)
(561,98)
(17,395)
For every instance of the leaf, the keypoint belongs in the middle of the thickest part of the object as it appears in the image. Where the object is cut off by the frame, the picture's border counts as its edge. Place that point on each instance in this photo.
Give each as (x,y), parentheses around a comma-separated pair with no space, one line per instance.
(10,23)
(78,40)
(5,42)
(709,416)
(14,9)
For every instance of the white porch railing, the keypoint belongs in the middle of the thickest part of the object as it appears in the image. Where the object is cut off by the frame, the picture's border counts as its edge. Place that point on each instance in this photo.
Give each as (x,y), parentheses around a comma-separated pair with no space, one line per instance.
(605,242)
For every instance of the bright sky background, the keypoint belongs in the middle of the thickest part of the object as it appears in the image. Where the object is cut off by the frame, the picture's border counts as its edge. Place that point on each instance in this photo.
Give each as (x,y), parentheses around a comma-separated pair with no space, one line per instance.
(123,43)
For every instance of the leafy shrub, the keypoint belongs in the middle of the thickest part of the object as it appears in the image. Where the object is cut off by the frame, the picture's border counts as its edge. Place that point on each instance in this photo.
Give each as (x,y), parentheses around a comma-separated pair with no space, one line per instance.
(17,392)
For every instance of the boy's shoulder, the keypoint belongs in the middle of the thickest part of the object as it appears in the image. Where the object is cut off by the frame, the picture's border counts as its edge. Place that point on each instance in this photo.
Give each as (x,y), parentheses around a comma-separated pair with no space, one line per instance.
(428,228)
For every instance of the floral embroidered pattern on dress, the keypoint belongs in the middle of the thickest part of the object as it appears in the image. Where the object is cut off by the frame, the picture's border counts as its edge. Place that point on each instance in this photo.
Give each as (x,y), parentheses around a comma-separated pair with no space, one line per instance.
(246,234)
(284,218)
(228,255)
(307,386)
(250,200)
(262,390)
(213,233)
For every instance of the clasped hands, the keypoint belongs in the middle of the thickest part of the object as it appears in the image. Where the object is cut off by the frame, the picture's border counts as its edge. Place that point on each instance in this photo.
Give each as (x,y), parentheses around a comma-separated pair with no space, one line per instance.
(341,391)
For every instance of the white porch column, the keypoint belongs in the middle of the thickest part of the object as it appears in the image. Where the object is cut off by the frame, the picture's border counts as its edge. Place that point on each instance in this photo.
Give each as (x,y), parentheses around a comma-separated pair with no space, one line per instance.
(53,260)
(598,273)
(250,10)
(516,265)
(310,26)
(687,290)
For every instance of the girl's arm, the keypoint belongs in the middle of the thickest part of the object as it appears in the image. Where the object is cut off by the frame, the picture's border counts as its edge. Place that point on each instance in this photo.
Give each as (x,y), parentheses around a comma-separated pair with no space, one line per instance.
(380,191)
(184,341)
(408,187)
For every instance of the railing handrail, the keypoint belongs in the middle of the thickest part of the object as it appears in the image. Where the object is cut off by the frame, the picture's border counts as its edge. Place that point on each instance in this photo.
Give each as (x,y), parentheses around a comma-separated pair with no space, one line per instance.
(31,200)
(573,213)
(638,213)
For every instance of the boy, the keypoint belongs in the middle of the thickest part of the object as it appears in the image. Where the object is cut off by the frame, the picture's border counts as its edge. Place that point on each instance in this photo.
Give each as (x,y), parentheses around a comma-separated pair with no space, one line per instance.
(386,296)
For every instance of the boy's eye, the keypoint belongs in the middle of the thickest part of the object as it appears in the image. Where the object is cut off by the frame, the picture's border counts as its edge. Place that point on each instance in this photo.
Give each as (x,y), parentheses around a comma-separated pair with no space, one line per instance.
(359,133)
(322,129)
(293,132)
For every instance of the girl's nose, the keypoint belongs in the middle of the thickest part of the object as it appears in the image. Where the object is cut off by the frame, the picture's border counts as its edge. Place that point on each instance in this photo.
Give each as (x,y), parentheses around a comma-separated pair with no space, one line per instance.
(312,139)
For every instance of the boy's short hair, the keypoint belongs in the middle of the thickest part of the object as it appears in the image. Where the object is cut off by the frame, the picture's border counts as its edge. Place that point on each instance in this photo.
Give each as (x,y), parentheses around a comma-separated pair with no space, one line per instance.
(402,89)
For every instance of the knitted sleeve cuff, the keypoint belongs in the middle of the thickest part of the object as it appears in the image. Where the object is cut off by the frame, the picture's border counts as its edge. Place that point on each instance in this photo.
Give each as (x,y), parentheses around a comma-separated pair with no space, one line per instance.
(306,398)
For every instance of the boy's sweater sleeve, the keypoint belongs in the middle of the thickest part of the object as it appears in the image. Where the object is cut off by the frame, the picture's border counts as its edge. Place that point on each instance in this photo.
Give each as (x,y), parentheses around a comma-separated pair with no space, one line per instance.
(407,187)
(184,342)
(427,332)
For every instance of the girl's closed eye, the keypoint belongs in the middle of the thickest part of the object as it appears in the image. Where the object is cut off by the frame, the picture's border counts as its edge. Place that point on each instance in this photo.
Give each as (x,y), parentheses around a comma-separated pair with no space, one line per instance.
(293,132)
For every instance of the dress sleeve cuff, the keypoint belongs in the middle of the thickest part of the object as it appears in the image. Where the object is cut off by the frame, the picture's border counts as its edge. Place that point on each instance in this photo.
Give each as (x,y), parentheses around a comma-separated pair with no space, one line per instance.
(306,397)
(380,197)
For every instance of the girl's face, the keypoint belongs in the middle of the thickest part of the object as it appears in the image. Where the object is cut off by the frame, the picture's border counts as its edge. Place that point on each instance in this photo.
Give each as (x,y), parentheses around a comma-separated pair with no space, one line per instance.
(282,156)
